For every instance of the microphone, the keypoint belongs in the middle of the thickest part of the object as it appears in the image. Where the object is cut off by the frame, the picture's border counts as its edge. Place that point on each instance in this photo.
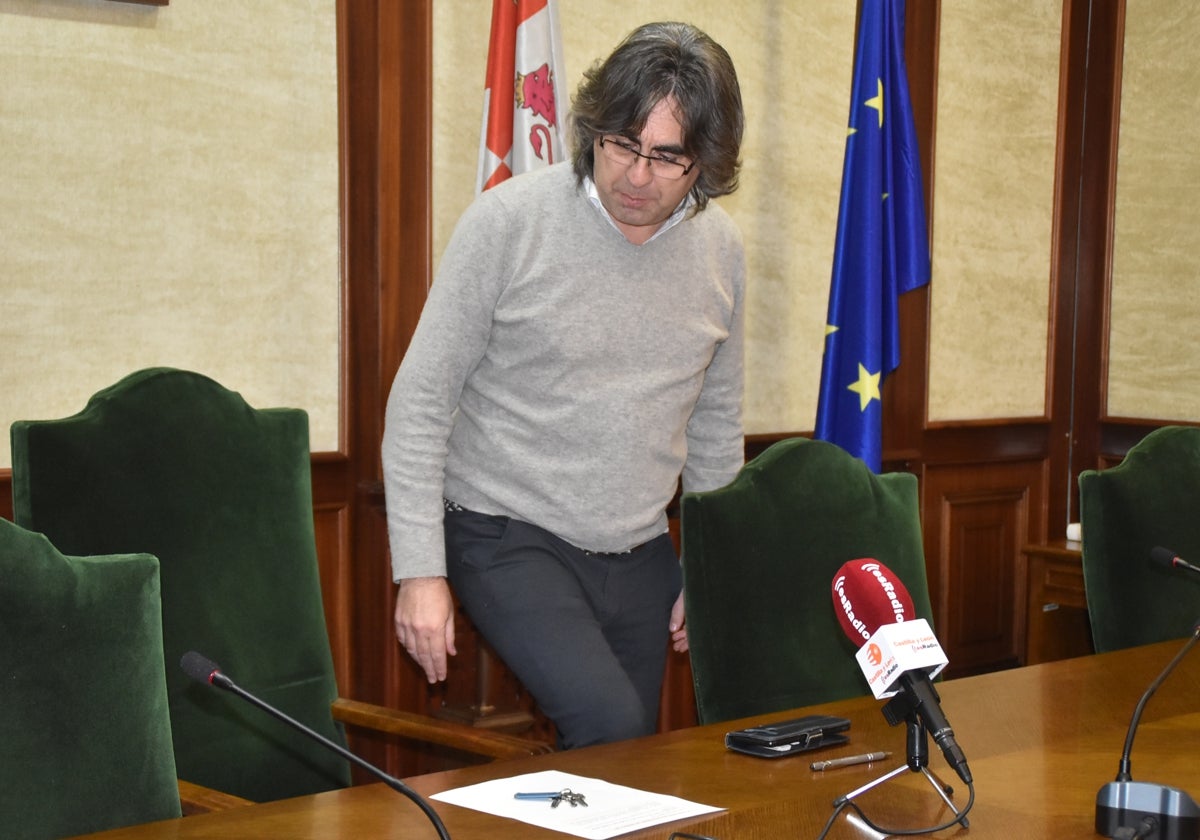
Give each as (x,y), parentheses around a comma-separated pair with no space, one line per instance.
(1167,558)
(202,669)
(869,595)
(877,614)
(1163,811)
(897,651)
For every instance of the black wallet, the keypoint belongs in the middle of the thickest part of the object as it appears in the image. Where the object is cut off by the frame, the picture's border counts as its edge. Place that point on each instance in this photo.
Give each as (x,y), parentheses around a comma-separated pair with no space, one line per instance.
(788,737)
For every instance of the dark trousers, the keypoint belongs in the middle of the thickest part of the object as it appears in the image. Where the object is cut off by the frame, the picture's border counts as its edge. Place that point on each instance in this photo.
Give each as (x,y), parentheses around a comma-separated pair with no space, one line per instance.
(585,633)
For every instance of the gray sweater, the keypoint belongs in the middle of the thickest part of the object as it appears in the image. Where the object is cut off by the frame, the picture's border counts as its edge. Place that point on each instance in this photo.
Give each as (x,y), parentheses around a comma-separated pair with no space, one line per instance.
(563,376)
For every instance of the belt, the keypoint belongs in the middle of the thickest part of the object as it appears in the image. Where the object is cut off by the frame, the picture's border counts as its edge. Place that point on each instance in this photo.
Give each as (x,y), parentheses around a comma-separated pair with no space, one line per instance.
(455,507)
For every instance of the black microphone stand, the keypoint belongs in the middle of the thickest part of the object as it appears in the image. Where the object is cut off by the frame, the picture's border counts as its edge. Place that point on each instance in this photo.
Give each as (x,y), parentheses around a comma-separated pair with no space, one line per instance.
(901,708)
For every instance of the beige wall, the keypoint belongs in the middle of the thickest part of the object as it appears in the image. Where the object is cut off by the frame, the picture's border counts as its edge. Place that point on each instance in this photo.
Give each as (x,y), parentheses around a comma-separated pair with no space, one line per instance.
(1154,343)
(997,115)
(170,198)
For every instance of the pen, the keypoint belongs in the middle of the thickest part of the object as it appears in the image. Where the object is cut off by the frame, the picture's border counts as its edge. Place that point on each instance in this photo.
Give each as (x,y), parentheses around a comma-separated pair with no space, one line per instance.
(556,797)
(850,760)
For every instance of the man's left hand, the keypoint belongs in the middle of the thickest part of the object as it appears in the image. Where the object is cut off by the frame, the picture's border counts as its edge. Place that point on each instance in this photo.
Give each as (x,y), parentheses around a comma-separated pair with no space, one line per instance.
(679,639)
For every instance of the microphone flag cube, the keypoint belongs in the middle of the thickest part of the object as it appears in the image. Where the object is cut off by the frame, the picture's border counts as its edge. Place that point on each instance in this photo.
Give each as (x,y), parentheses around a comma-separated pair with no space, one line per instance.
(896,648)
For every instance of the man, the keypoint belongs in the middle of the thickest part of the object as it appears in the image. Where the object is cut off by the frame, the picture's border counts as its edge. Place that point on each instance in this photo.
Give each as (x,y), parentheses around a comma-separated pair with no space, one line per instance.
(580,350)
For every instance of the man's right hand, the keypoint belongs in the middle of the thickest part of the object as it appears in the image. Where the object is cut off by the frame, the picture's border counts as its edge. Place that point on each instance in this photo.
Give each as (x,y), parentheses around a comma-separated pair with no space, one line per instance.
(425,623)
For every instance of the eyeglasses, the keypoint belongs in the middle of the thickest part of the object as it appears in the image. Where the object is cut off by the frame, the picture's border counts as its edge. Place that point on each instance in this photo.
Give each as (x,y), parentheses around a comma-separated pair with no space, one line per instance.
(661,165)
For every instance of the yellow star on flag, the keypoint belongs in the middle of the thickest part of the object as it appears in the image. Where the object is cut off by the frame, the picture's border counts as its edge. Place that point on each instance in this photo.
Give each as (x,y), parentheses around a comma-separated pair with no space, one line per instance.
(876,101)
(867,387)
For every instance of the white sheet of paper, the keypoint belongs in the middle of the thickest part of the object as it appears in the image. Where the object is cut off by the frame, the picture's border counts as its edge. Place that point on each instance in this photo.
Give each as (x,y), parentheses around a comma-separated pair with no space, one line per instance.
(611,809)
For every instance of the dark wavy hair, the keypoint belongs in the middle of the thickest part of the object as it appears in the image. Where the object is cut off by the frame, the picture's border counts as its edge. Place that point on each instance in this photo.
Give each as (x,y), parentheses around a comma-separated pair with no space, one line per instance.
(655,61)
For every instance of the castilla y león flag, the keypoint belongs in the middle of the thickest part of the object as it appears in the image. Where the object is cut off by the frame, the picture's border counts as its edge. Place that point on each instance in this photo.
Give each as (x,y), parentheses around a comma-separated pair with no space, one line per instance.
(523,105)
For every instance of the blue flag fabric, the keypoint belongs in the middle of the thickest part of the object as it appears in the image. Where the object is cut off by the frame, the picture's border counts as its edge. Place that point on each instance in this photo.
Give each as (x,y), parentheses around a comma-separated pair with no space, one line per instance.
(882,248)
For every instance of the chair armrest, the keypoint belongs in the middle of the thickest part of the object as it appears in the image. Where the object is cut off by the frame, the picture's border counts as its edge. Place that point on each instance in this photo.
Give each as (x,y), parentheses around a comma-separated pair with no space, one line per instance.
(196,799)
(432,730)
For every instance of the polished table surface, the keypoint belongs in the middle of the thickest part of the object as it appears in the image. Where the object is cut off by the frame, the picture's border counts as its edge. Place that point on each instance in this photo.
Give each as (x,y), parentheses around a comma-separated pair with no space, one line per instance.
(1040,741)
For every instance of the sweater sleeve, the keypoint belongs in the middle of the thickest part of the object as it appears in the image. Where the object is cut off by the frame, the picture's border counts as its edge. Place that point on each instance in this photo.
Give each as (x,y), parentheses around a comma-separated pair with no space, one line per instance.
(716,443)
(450,339)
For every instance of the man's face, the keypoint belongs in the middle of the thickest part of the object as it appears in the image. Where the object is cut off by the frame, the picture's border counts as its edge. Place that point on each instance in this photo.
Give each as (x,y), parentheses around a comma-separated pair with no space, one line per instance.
(638,200)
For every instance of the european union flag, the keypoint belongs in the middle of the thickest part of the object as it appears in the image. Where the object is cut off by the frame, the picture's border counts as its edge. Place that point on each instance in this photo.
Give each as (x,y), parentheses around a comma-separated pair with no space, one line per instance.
(882,248)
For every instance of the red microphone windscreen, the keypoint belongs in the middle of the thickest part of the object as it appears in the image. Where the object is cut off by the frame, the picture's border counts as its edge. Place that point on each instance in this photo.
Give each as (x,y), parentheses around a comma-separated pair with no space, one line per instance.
(867,595)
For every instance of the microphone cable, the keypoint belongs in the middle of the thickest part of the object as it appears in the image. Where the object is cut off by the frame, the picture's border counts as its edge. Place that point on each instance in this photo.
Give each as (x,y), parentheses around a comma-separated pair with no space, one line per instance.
(898,832)
(1144,830)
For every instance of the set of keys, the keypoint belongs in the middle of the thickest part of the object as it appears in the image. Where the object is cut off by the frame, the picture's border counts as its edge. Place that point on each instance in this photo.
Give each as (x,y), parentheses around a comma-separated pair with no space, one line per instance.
(556,798)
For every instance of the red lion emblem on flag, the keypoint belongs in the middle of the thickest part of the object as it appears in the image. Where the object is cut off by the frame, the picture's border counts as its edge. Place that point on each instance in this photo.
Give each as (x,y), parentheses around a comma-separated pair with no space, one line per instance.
(535,91)
(520,116)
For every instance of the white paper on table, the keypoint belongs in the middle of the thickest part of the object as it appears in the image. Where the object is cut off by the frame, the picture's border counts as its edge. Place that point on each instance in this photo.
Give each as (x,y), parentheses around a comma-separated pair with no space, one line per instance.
(611,809)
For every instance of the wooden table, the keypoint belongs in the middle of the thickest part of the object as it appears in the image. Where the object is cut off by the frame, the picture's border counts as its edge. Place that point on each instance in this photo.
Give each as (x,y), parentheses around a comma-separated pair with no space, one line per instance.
(1040,740)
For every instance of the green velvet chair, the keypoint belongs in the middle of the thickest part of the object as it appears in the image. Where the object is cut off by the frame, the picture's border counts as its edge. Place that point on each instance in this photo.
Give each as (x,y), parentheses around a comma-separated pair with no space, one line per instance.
(759,556)
(85,736)
(1152,498)
(171,463)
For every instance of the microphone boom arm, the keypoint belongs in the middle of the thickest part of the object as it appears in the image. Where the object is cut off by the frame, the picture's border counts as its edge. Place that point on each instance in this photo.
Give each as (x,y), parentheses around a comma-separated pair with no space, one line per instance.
(1123,774)
(200,668)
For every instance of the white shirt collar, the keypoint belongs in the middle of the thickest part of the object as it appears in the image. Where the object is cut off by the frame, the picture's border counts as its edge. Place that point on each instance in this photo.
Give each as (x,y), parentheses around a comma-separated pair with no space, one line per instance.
(677,216)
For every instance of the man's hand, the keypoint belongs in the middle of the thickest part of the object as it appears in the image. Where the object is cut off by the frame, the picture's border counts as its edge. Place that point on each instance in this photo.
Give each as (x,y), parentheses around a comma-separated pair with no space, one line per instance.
(425,623)
(679,639)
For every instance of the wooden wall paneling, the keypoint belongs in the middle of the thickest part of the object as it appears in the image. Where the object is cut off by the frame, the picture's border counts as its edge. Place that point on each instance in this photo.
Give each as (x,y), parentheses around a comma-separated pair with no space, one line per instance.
(358,132)
(331,526)
(1065,283)
(6,503)
(402,160)
(1118,437)
(977,518)
(981,535)
(677,706)
(1084,206)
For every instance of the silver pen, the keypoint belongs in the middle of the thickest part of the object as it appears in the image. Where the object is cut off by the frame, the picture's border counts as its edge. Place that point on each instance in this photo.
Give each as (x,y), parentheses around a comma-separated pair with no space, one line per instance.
(850,760)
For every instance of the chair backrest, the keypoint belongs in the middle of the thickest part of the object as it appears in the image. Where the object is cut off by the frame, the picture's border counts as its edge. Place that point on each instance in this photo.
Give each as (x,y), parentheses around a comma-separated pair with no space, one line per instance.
(171,463)
(759,557)
(1152,498)
(85,736)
